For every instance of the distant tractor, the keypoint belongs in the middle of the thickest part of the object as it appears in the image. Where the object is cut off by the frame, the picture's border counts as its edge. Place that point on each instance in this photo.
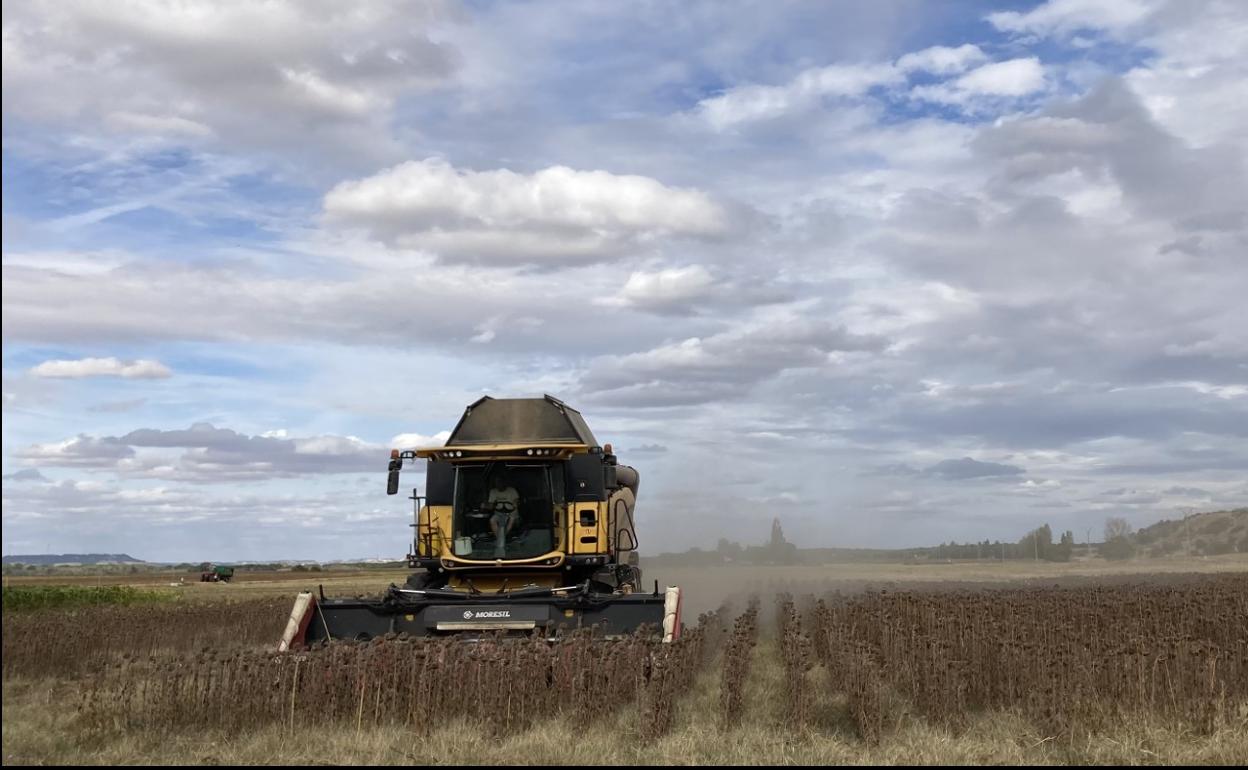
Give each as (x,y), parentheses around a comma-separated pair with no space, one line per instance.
(216,575)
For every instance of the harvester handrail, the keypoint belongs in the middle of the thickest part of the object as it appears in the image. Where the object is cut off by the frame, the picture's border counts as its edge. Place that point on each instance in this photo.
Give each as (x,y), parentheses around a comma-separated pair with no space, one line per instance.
(440,592)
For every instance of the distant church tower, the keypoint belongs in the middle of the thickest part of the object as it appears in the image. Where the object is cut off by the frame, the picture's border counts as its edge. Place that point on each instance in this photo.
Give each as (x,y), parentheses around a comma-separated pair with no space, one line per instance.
(777,536)
(779,550)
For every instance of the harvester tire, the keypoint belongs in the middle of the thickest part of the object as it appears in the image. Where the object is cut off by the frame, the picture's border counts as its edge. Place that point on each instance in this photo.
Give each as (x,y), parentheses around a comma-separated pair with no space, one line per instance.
(419,581)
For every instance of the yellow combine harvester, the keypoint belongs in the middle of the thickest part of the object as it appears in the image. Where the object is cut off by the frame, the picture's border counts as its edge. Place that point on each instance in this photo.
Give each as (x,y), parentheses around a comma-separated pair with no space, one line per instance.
(526,523)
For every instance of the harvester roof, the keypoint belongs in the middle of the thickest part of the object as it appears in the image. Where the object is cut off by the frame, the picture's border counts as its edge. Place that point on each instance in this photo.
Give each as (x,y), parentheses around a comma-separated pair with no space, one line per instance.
(521,421)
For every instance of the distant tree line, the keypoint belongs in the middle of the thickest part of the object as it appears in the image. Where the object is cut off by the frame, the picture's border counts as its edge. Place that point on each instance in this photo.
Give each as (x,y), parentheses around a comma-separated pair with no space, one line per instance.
(1210,537)
(1037,545)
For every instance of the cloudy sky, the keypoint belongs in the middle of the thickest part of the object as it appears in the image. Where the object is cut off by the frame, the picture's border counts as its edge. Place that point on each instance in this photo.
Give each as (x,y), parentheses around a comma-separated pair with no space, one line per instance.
(899,273)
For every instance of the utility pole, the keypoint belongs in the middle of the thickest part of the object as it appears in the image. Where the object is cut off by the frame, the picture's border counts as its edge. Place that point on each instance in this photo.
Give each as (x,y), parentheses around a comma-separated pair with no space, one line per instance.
(1087,542)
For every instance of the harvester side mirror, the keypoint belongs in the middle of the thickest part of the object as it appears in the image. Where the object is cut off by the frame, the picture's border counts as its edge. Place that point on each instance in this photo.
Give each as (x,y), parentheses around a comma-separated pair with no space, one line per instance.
(392,479)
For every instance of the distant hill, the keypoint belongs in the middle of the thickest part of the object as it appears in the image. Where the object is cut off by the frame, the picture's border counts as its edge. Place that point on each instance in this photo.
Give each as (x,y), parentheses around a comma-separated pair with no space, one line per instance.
(1204,534)
(48,559)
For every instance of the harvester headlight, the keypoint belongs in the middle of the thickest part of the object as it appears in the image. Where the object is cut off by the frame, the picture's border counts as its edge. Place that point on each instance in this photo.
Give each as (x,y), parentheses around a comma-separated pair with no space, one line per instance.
(530,452)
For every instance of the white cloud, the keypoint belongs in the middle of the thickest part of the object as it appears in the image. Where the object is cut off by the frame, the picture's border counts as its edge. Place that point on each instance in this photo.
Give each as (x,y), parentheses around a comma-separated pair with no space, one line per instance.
(254,74)
(1068,16)
(418,440)
(1016,77)
(669,288)
(554,215)
(142,369)
(332,445)
(1007,79)
(1193,82)
(1045,484)
(750,103)
(942,60)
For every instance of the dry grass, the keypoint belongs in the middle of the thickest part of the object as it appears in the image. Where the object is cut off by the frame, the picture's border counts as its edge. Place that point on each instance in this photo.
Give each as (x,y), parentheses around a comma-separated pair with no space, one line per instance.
(38,729)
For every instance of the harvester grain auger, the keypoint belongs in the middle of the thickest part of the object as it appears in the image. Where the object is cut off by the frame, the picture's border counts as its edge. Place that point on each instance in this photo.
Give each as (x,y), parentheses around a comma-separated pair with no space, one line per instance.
(526,523)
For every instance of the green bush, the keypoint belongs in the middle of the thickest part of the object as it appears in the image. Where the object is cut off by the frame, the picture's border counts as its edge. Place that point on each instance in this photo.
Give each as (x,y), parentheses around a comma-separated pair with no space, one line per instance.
(1117,549)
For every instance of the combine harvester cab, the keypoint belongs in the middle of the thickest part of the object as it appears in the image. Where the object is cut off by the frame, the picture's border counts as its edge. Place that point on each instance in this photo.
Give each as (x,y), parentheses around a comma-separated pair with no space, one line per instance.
(526,524)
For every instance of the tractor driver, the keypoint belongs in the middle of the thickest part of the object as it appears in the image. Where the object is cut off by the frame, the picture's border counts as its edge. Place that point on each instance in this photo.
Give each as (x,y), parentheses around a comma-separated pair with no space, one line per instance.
(503,504)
